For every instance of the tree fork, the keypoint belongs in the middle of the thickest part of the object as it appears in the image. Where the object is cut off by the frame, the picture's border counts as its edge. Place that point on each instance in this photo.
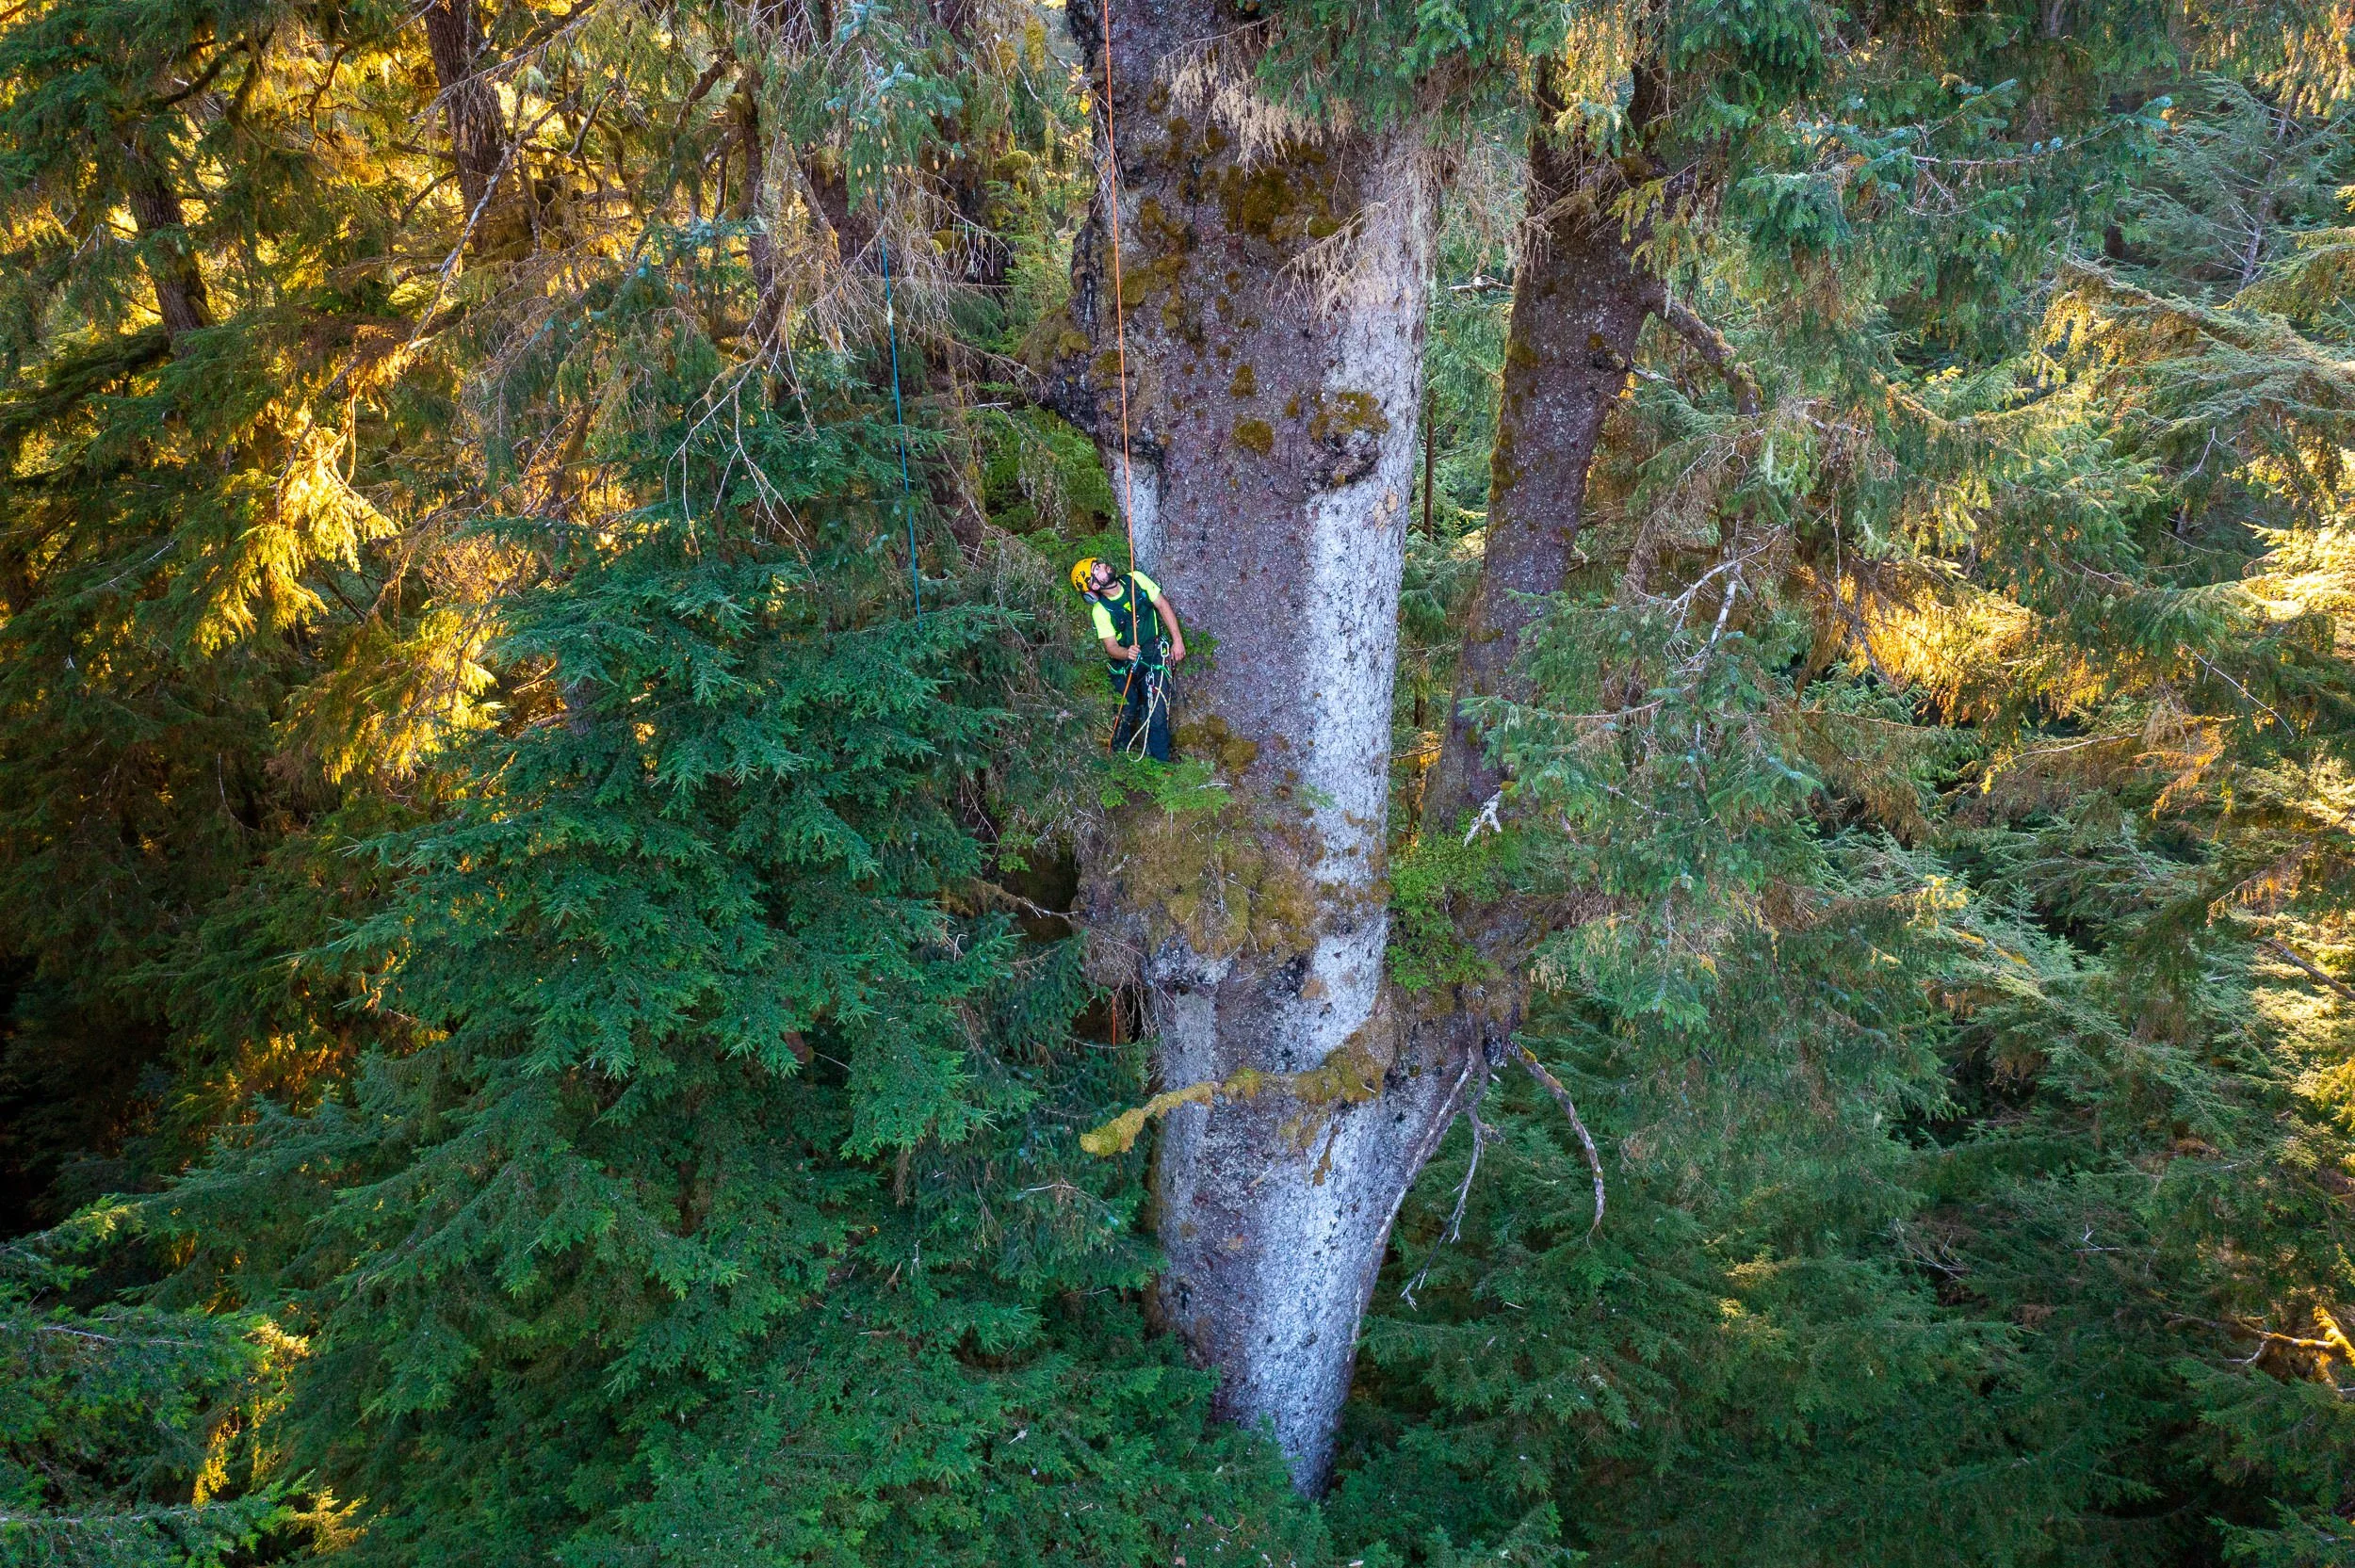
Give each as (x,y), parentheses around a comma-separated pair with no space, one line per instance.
(1273,448)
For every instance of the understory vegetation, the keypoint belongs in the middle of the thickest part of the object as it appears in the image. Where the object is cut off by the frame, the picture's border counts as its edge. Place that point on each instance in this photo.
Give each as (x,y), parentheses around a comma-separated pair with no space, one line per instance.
(548,760)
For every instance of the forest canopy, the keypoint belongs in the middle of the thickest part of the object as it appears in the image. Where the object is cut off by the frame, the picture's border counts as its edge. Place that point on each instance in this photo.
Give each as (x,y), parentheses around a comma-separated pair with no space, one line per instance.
(1747,956)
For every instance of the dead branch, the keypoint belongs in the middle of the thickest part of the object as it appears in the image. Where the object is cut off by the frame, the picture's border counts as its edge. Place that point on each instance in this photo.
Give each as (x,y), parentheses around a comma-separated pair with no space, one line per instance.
(1569,1107)
(1454,1227)
(2314,970)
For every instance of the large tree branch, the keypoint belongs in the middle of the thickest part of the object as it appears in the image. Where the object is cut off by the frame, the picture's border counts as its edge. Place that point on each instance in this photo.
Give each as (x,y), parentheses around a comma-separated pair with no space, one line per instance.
(2315,971)
(1711,345)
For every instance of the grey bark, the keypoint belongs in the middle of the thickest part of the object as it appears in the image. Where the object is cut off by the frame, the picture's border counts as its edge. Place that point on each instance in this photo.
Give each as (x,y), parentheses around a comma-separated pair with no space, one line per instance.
(1273,446)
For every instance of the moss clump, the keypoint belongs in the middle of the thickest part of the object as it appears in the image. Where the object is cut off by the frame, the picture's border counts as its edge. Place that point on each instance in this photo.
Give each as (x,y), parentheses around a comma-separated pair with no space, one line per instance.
(1054,336)
(1211,739)
(1223,879)
(1165,246)
(1254,435)
(1277,203)
(1342,414)
(1504,472)
(1245,382)
(1141,281)
(1349,1076)
(1161,231)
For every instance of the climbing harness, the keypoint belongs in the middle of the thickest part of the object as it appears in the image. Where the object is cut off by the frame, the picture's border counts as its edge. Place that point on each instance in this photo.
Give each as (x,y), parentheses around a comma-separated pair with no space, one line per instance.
(1131,615)
(898,415)
(1156,704)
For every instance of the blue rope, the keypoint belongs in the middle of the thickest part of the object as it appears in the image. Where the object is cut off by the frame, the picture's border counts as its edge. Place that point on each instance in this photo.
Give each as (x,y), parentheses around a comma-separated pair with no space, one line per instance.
(907,503)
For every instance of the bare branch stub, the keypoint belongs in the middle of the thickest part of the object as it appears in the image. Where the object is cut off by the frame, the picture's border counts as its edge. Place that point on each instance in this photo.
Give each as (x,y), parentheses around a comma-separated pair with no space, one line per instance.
(1569,1107)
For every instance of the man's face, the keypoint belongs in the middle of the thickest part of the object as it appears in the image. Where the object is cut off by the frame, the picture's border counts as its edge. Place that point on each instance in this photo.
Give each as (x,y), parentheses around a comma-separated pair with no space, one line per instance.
(1099,577)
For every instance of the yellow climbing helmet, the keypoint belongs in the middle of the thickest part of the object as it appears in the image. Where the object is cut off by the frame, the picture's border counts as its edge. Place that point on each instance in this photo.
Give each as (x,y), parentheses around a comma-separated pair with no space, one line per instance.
(1082,570)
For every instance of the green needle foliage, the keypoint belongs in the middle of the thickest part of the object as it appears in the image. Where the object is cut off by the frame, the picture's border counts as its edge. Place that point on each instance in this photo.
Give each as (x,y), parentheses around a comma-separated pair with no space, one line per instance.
(730,1158)
(566,972)
(132,1435)
(1937,768)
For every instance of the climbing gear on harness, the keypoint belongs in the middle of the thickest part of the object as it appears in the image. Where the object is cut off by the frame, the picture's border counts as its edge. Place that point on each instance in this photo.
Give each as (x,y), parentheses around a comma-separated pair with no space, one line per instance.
(1127,619)
(1142,730)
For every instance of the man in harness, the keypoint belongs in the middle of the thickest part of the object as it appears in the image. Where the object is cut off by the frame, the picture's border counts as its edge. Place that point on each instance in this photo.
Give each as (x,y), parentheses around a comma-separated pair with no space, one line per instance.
(1142,639)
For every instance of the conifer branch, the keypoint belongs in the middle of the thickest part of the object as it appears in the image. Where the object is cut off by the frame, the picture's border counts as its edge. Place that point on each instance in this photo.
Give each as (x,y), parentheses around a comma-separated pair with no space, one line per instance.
(1714,351)
(205,77)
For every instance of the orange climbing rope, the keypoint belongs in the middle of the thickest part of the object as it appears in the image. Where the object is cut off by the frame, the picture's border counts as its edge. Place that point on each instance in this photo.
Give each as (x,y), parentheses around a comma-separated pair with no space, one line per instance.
(1120,324)
(1120,355)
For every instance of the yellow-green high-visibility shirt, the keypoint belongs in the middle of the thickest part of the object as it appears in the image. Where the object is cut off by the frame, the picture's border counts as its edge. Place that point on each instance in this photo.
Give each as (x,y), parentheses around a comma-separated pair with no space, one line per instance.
(1105,626)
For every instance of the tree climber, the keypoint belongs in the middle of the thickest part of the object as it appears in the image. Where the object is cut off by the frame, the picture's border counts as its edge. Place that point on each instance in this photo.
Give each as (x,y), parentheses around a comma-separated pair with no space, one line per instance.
(1137,658)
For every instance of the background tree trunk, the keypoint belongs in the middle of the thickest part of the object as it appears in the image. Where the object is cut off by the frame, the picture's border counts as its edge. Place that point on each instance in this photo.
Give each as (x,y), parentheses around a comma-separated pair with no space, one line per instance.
(1274,446)
(180,298)
(453,34)
(1579,299)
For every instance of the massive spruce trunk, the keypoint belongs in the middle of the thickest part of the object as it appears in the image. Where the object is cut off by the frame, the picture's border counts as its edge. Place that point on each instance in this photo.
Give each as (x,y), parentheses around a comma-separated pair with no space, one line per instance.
(1579,299)
(1272,437)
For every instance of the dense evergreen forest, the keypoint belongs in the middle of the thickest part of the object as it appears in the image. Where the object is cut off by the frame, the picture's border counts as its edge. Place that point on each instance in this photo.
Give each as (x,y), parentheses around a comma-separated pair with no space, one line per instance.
(1747,957)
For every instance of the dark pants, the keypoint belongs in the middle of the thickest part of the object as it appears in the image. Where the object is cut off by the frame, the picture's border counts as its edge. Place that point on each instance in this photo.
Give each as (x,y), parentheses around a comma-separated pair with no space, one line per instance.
(1144,727)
